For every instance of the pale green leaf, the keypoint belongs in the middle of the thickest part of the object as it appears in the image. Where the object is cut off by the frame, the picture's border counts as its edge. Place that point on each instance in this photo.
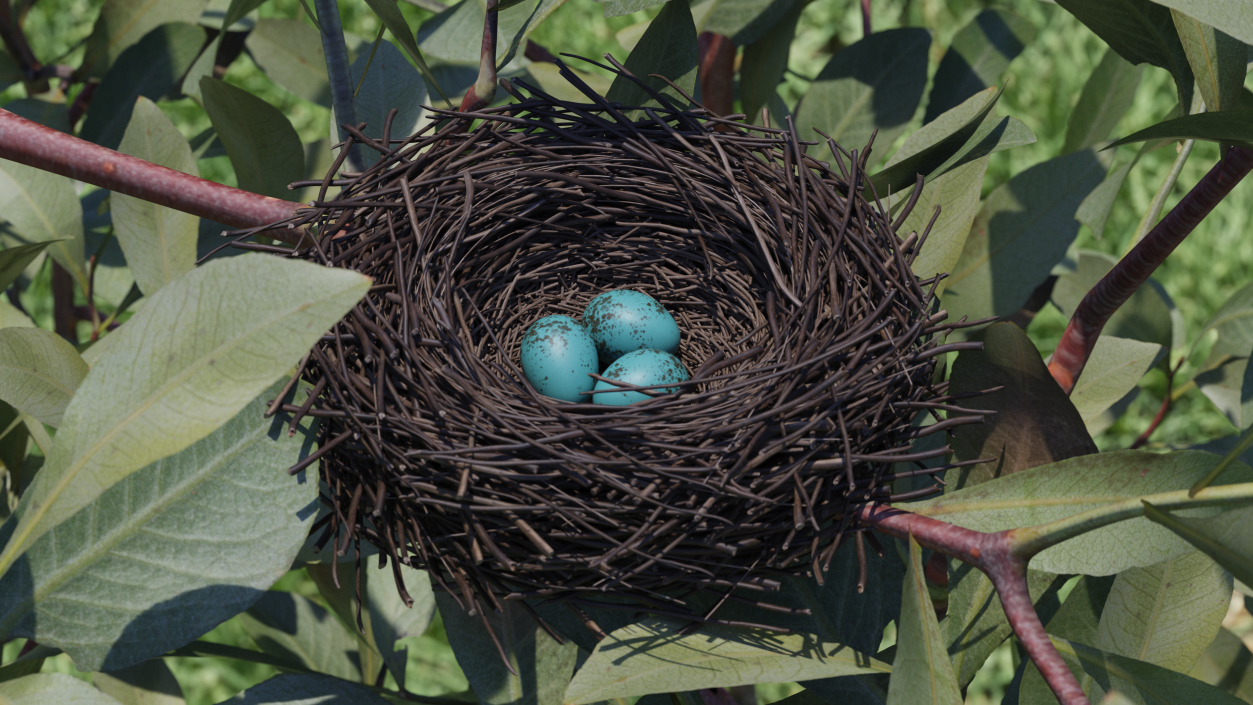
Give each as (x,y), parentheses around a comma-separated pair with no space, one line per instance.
(618,8)
(307,689)
(170,551)
(667,49)
(1225,387)
(1234,323)
(542,10)
(1227,538)
(980,52)
(1115,367)
(290,53)
(1106,97)
(148,683)
(189,360)
(302,633)
(1094,210)
(46,688)
(1225,664)
(122,23)
(159,242)
(39,372)
(1235,17)
(921,672)
(956,193)
(652,657)
(389,83)
(1230,126)
(391,621)
(1141,683)
(1218,61)
(40,206)
(14,260)
(11,317)
(547,77)
(744,21)
(263,146)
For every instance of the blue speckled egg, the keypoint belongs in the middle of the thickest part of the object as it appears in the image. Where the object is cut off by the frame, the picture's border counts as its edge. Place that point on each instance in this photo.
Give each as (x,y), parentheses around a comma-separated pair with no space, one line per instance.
(641,368)
(623,321)
(557,357)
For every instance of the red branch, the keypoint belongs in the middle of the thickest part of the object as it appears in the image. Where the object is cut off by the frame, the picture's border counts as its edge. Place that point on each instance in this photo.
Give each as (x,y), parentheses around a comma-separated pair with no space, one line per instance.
(717,72)
(1133,270)
(993,554)
(44,148)
(484,89)
(865,18)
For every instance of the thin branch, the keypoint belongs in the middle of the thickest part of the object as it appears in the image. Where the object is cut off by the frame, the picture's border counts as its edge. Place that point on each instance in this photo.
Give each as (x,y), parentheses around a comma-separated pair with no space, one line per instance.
(338,74)
(484,89)
(717,72)
(1164,408)
(865,18)
(1163,191)
(1133,270)
(32,144)
(64,318)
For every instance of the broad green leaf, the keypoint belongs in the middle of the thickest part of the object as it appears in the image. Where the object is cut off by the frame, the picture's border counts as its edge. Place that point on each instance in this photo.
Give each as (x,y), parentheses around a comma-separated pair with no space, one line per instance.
(542,10)
(956,193)
(290,53)
(1230,126)
(169,552)
(1022,230)
(978,56)
(236,11)
(975,623)
(1166,614)
(1062,489)
(42,207)
(200,68)
(1106,97)
(307,689)
(10,72)
(1227,538)
(667,49)
(1234,323)
(1218,61)
(1113,371)
(11,317)
(744,21)
(44,112)
(1035,423)
(764,61)
(618,8)
(1141,683)
(148,683)
(921,672)
(873,84)
(395,22)
(1146,316)
(27,664)
(264,147)
(189,360)
(391,622)
(1139,30)
(13,445)
(1225,387)
(456,34)
(45,688)
(389,83)
(122,23)
(39,372)
(542,665)
(1225,664)
(300,632)
(159,242)
(1094,210)
(651,656)
(151,68)
(14,260)
(1235,17)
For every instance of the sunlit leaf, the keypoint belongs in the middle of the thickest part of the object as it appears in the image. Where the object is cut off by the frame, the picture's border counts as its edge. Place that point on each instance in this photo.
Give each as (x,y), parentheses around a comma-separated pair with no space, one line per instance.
(14,260)
(1225,386)
(1230,126)
(1114,369)
(1234,323)
(980,52)
(744,21)
(1227,538)
(264,147)
(764,61)
(44,688)
(1235,17)
(290,53)
(1106,97)
(307,689)
(148,683)
(122,23)
(1218,61)
(667,49)
(393,625)
(39,372)
(301,632)
(1225,664)
(921,673)
(40,206)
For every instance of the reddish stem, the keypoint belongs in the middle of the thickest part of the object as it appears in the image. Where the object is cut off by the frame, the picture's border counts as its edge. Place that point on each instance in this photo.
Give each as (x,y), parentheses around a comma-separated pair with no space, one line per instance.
(1164,409)
(1133,270)
(484,89)
(64,316)
(993,554)
(44,148)
(865,18)
(81,102)
(717,72)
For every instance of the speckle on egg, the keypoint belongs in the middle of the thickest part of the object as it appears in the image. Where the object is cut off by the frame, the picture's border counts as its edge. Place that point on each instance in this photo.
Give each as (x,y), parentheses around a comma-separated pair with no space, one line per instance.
(558,357)
(642,368)
(626,320)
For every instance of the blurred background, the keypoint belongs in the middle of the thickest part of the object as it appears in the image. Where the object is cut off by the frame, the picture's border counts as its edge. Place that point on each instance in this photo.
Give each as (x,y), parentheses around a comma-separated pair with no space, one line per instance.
(1041,86)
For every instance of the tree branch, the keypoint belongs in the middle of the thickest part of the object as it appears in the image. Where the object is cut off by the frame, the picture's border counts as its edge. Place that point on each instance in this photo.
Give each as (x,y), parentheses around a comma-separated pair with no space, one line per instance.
(865,18)
(32,144)
(484,89)
(1133,270)
(717,72)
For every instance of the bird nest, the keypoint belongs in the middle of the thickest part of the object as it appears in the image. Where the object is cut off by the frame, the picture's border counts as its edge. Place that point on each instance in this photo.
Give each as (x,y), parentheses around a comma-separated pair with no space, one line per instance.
(812,342)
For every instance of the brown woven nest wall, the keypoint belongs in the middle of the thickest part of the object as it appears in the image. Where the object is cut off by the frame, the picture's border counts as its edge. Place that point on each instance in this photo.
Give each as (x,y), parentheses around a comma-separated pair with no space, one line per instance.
(812,347)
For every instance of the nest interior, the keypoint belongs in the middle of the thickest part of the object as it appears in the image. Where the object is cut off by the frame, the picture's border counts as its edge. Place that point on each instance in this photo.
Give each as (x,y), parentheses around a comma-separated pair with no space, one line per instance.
(812,347)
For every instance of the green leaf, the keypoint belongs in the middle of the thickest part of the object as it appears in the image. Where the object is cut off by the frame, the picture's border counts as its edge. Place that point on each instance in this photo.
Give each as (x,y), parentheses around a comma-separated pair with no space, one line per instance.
(151,69)
(10,72)
(1106,97)
(236,11)
(122,23)
(148,683)
(1225,664)
(455,35)
(1234,323)
(1139,30)
(1227,538)
(159,242)
(1230,126)
(975,624)
(1020,233)
(744,21)
(395,22)
(307,689)
(264,148)
(921,672)
(1234,16)
(202,67)
(1146,316)
(1094,210)
(1062,489)
(541,664)
(653,657)
(300,632)
(956,193)
(1166,614)
(1035,423)
(764,61)
(13,447)
(389,83)
(668,48)
(1141,683)
(873,84)
(39,372)
(543,9)
(169,552)
(27,664)
(189,360)
(44,112)
(1113,371)
(618,8)
(42,207)
(11,317)
(391,622)
(1225,387)
(290,53)
(976,59)
(14,260)
(848,690)
(45,688)
(1077,619)
(547,77)
(1218,61)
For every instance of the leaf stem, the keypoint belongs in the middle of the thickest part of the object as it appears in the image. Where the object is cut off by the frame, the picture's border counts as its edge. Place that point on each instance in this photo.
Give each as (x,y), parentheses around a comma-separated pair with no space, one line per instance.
(1232,455)
(1133,270)
(338,74)
(1159,199)
(484,89)
(865,18)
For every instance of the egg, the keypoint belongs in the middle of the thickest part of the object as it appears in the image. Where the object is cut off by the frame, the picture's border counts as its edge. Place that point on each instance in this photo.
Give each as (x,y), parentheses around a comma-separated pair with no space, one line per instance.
(625,320)
(642,368)
(557,357)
